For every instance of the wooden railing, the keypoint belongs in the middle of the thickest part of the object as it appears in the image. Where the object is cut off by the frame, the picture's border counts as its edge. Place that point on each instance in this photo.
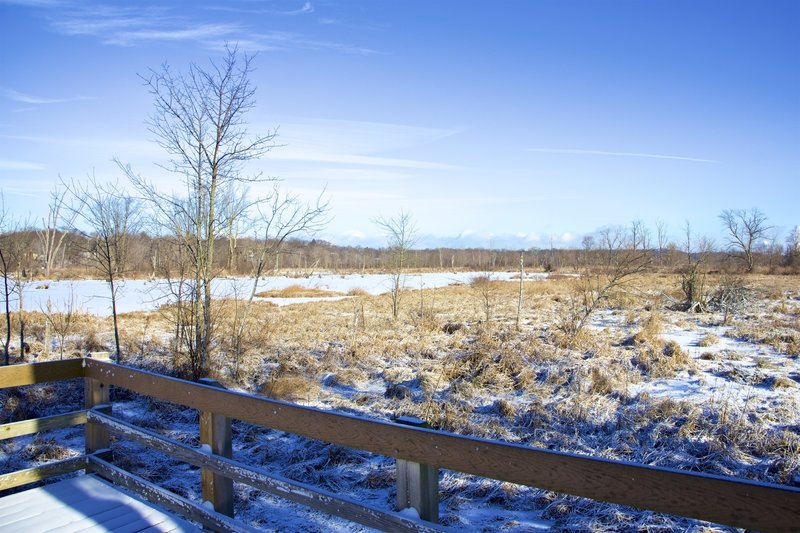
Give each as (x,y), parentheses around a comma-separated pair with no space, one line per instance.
(723,500)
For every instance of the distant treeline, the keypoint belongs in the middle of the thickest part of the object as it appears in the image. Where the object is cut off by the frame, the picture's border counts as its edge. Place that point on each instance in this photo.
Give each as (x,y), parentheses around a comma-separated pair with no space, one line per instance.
(149,256)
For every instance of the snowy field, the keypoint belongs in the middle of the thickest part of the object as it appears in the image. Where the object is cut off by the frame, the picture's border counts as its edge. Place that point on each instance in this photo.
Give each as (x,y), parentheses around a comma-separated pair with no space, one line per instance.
(645,382)
(91,296)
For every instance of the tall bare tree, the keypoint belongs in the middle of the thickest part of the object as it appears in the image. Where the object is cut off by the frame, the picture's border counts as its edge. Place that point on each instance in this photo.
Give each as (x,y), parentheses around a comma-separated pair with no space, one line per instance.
(5,265)
(661,238)
(54,228)
(625,258)
(199,119)
(693,276)
(280,217)
(793,246)
(111,217)
(744,229)
(401,234)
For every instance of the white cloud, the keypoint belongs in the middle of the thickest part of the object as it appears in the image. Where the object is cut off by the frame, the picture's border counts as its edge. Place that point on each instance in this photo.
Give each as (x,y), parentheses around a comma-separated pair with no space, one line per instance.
(195,33)
(571,151)
(20,165)
(30,99)
(350,159)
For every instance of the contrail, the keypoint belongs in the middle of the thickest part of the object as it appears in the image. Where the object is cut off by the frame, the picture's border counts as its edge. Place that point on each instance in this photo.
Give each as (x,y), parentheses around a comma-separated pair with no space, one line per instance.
(623,154)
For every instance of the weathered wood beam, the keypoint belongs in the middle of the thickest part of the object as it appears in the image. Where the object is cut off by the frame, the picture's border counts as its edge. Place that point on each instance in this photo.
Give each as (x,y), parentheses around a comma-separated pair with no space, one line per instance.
(30,374)
(216,433)
(96,393)
(314,497)
(38,473)
(729,501)
(153,493)
(46,423)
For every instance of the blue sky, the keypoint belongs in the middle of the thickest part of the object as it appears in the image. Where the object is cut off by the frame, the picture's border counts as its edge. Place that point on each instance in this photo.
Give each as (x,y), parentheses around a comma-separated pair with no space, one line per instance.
(512,123)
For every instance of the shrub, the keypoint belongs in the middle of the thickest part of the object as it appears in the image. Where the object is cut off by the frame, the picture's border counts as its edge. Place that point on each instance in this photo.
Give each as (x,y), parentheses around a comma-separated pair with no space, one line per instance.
(709,339)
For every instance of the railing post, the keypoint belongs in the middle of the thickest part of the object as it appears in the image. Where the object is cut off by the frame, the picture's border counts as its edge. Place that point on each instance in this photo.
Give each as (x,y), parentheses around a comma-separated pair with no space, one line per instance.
(417,484)
(215,431)
(97,395)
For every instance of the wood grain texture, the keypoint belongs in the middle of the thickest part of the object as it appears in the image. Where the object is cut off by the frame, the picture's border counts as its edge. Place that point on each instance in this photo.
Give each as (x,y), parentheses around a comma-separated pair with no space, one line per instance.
(29,374)
(314,497)
(215,431)
(173,502)
(716,499)
(38,473)
(84,504)
(46,423)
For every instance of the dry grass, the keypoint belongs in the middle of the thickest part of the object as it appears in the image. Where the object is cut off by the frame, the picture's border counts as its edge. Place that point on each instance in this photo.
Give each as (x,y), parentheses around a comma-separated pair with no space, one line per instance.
(292,388)
(444,362)
(298,291)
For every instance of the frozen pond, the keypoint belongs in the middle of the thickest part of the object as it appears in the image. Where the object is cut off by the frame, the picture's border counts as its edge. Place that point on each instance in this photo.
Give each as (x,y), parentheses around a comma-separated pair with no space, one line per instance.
(92,296)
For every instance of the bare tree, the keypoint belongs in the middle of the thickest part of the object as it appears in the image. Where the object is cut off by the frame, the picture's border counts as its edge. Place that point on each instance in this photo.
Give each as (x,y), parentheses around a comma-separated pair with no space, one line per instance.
(693,277)
(519,294)
(5,265)
(744,228)
(400,233)
(111,217)
(625,258)
(233,207)
(19,257)
(793,246)
(639,235)
(279,218)
(62,320)
(484,287)
(54,228)
(661,238)
(199,120)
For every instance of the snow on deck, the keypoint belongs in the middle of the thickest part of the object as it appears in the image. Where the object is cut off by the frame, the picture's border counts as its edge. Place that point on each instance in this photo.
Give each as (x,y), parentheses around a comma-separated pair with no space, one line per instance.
(83,504)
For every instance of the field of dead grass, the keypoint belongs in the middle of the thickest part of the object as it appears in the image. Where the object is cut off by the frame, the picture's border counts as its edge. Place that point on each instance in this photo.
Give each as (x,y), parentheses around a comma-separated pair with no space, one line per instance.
(643,382)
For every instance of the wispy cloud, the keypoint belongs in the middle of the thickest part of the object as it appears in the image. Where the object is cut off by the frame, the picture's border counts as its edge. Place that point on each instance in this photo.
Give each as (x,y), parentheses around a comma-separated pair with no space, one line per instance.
(37,100)
(118,25)
(280,40)
(351,159)
(305,9)
(618,154)
(20,165)
(203,32)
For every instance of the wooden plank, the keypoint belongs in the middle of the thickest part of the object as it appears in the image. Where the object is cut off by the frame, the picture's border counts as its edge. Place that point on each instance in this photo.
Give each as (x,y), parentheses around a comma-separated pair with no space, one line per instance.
(417,484)
(47,423)
(85,504)
(215,431)
(29,374)
(302,493)
(173,502)
(96,393)
(729,501)
(132,514)
(38,473)
(49,513)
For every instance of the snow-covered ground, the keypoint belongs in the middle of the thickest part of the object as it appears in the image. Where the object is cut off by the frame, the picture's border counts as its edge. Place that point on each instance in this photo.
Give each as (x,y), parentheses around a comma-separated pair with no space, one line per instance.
(92,296)
(726,370)
(728,403)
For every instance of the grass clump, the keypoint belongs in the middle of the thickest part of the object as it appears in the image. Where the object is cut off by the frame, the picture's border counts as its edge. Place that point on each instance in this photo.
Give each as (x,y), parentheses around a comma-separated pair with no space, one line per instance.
(297,291)
(709,339)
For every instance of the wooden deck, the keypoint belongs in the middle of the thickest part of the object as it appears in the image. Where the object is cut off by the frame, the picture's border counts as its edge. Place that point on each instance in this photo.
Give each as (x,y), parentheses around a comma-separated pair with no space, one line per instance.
(84,503)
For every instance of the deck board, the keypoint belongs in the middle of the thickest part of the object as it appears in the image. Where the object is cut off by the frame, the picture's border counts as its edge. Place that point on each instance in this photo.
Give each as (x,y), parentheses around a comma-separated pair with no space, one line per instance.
(84,504)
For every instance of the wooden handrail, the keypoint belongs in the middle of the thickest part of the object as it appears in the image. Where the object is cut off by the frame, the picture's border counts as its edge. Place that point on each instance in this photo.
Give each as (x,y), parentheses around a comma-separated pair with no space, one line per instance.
(45,423)
(718,499)
(33,373)
(724,500)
